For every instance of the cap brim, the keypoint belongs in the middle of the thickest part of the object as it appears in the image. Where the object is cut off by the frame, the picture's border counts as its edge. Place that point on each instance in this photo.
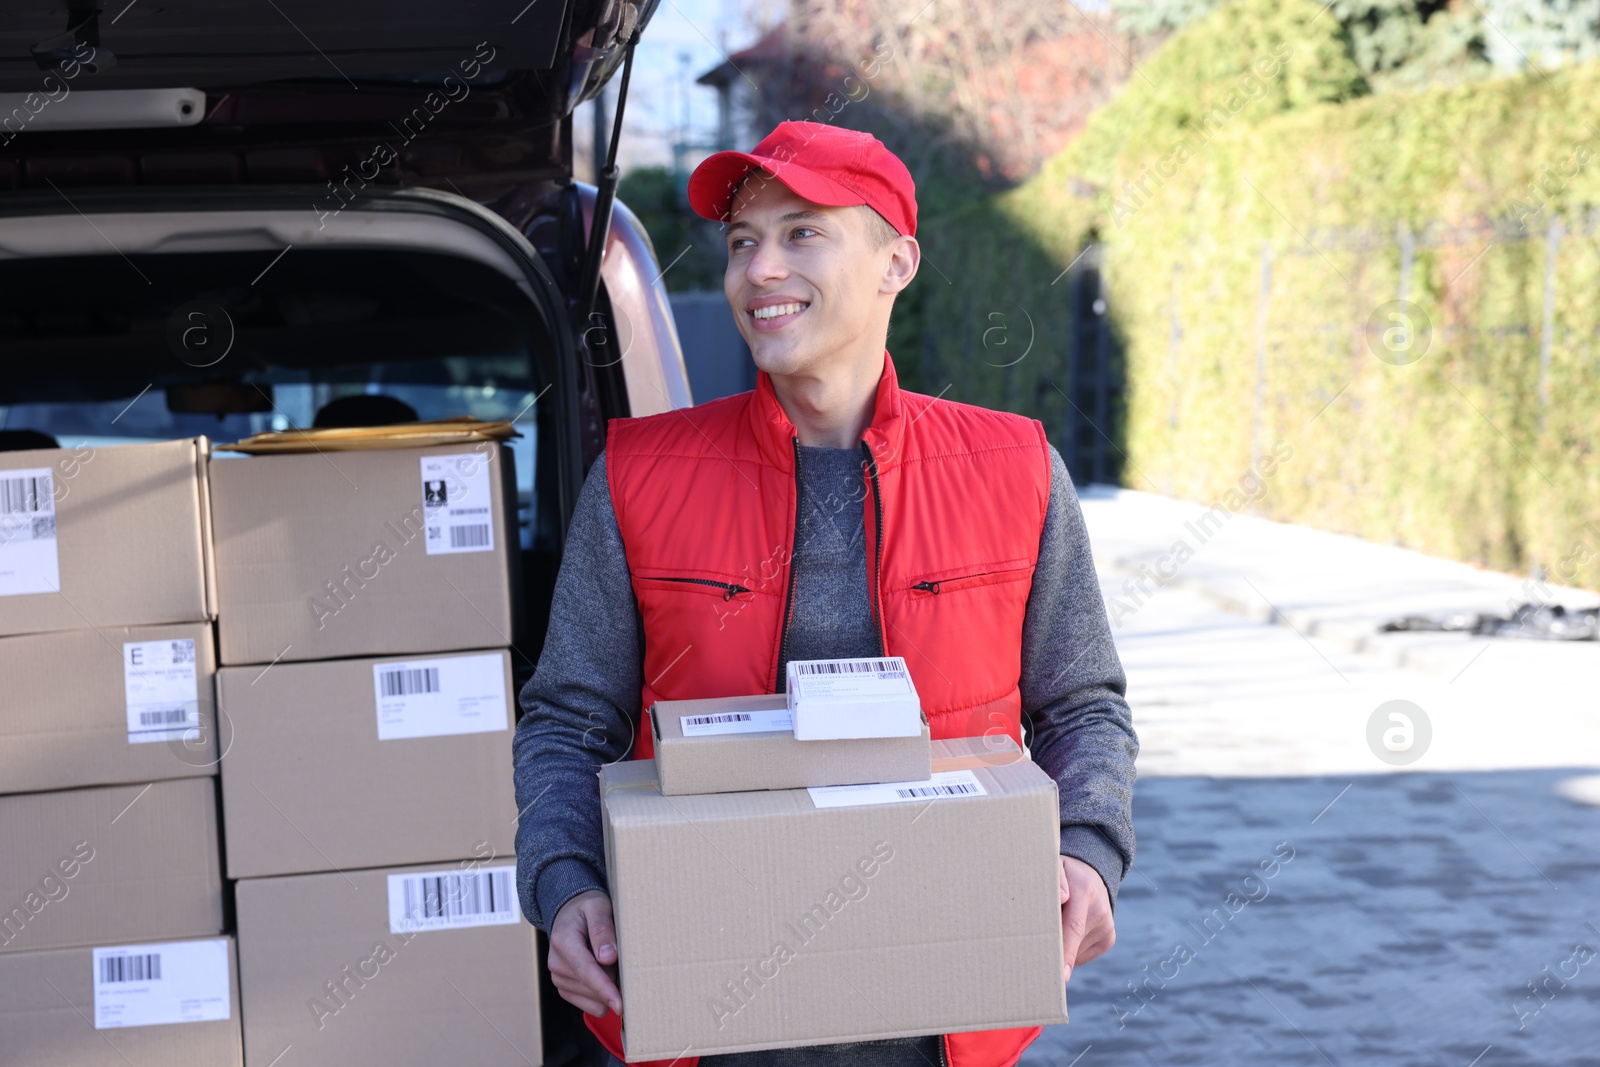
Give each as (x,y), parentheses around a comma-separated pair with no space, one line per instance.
(712,183)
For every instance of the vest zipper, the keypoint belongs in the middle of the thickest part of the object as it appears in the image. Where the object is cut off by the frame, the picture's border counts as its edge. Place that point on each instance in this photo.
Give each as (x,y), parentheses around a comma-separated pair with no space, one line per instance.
(788,595)
(877,546)
(927,587)
(728,588)
(942,1061)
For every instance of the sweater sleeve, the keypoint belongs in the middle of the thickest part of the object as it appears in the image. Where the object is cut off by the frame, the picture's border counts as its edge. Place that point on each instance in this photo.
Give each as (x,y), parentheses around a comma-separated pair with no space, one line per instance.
(1073,691)
(579,710)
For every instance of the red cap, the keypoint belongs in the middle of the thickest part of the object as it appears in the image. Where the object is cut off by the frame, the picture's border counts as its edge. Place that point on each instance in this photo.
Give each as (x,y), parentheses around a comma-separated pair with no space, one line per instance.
(820,163)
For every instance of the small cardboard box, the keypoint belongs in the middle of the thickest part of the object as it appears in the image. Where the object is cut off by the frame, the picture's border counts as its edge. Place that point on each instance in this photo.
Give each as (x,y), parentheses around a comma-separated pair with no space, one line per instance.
(145,1005)
(368,553)
(834,699)
(730,744)
(366,762)
(782,918)
(103,536)
(98,866)
(103,707)
(365,967)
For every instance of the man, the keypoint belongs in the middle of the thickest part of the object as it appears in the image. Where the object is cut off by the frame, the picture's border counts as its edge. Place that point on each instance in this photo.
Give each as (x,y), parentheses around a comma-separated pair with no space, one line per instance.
(827,513)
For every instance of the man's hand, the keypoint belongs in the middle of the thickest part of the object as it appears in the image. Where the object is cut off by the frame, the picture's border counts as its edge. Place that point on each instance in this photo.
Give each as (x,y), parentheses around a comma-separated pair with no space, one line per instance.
(1086,927)
(583,954)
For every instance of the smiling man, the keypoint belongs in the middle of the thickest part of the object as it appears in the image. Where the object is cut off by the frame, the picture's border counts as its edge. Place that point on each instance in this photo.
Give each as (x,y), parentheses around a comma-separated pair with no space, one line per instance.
(826,513)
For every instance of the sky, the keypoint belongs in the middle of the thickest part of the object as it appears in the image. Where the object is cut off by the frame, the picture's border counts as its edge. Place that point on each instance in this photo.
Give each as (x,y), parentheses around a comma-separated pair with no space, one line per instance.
(684,39)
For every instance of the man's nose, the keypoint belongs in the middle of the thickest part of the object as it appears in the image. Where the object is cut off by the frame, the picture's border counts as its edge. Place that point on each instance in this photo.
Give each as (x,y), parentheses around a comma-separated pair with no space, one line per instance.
(766,263)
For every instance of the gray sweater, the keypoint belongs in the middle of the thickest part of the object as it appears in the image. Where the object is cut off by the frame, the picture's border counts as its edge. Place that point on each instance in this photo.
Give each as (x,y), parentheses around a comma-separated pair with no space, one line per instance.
(581,705)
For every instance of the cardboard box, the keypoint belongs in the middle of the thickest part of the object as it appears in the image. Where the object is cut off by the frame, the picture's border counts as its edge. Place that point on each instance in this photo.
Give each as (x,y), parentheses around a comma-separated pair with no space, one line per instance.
(729,744)
(324,969)
(372,553)
(105,1007)
(99,866)
(103,707)
(833,699)
(110,535)
(782,918)
(367,762)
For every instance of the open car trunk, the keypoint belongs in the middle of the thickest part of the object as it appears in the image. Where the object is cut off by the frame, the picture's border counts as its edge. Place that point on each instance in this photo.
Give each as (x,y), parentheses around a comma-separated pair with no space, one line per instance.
(237,313)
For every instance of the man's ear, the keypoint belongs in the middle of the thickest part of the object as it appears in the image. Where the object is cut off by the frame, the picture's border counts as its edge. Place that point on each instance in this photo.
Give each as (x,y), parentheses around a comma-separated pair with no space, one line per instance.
(901,266)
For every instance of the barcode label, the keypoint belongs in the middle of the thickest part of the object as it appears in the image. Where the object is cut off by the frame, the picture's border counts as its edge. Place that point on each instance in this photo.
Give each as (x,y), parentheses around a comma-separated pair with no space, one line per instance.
(28,560)
(457,494)
(172,982)
(858,666)
(404,683)
(440,900)
(162,689)
(707,720)
(760,720)
(943,785)
(434,697)
(143,968)
(28,493)
(960,789)
(469,536)
(883,678)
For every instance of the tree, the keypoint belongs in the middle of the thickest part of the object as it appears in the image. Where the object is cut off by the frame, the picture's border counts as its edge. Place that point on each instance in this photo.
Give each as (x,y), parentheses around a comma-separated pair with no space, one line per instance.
(1541,33)
(686,244)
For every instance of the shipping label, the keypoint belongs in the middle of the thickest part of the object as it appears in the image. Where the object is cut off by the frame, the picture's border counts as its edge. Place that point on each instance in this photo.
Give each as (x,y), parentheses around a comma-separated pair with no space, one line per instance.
(442,900)
(162,690)
(150,985)
(457,504)
(28,559)
(435,697)
(943,785)
(850,679)
(738,722)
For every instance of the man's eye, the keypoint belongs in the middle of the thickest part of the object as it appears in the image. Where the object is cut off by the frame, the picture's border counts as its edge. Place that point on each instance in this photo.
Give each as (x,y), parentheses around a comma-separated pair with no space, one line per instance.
(803,229)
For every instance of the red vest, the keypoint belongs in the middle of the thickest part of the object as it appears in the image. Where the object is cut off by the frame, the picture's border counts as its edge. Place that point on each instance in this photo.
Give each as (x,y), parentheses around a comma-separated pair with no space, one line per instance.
(955,499)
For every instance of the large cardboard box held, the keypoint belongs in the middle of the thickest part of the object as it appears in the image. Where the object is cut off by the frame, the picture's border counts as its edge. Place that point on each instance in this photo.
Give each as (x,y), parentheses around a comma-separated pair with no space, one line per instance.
(103,707)
(369,553)
(428,964)
(768,919)
(98,866)
(367,762)
(140,1005)
(730,744)
(110,535)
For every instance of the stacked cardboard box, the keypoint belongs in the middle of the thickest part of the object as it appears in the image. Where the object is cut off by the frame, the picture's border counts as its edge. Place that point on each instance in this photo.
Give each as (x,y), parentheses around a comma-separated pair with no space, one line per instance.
(365,609)
(111,893)
(834,903)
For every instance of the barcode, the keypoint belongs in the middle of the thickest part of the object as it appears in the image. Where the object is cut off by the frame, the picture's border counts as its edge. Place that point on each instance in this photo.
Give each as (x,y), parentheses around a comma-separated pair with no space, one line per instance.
(25,496)
(469,536)
(143,968)
(183,651)
(456,896)
(956,790)
(163,718)
(865,666)
(409,681)
(707,720)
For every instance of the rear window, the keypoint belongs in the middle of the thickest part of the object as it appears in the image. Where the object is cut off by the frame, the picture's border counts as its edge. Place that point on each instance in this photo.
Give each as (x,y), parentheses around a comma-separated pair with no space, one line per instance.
(102,352)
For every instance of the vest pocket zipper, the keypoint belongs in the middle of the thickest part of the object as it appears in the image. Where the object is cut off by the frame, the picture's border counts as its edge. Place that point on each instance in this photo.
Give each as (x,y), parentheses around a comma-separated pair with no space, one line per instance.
(729,589)
(993,576)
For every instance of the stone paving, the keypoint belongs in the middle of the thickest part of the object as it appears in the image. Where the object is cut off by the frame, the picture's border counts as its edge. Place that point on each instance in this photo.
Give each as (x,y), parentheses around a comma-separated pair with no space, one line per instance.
(1297,899)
